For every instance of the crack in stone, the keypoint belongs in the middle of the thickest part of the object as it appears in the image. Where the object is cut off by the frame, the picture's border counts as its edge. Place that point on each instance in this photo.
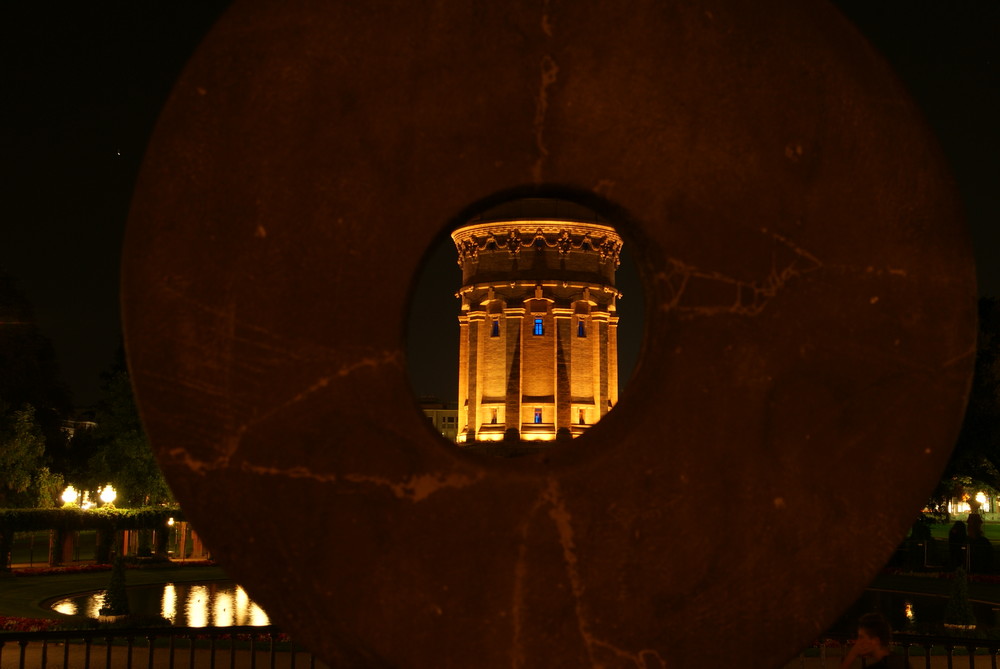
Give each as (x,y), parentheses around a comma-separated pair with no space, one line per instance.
(549,72)
(197,466)
(893,271)
(968,353)
(563,520)
(419,488)
(231,443)
(647,658)
(749,298)
(560,515)
(517,603)
(413,489)
(517,659)
(546,23)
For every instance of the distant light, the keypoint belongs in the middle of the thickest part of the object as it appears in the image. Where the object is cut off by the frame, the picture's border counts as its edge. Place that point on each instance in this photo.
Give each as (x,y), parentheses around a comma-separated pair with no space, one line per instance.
(70,495)
(983,501)
(170,522)
(108,494)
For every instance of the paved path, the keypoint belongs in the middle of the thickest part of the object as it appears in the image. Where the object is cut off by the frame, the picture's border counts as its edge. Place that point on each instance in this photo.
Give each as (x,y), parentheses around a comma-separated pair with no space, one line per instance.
(56,658)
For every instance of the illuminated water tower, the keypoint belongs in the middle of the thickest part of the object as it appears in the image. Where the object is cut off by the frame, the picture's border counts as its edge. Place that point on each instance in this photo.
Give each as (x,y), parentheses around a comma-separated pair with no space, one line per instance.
(538,352)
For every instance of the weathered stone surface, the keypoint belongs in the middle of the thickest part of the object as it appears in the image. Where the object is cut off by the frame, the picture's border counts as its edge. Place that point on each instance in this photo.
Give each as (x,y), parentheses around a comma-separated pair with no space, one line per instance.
(810,324)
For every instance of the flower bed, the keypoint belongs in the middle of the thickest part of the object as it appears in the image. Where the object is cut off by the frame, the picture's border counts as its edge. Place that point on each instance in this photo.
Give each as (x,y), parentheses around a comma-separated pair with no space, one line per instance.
(944,575)
(84,568)
(48,571)
(18,624)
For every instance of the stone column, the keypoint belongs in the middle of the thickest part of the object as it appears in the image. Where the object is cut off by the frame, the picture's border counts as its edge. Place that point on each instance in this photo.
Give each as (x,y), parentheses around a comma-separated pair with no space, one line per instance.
(600,321)
(62,544)
(563,322)
(6,547)
(613,360)
(463,372)
(477,323)
(513,328)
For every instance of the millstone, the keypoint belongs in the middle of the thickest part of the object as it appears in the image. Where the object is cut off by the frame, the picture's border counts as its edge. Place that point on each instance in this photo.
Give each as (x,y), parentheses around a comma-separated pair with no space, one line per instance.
(809,328)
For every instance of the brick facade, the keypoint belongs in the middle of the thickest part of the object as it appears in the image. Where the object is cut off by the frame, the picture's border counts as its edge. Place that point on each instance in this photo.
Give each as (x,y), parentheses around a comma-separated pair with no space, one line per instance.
(538,355)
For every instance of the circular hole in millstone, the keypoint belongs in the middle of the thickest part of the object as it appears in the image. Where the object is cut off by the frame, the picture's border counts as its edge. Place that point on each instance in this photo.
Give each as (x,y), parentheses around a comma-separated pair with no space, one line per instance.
(525,323)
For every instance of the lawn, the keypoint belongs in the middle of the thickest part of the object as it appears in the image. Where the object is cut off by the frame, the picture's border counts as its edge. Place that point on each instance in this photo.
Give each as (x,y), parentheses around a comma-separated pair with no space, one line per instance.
(990,528)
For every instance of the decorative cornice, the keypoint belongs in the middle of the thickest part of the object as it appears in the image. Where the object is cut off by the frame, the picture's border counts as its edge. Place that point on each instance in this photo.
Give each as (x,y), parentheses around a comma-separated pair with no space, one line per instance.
(512,236)
(468,289)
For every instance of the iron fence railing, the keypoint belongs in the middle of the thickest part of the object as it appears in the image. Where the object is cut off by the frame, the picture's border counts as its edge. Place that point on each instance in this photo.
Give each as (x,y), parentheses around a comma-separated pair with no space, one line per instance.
(248,647)
(244,647)
(922,652)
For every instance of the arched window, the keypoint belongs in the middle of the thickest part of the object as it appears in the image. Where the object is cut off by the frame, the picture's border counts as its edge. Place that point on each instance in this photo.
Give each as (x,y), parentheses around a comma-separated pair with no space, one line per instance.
(539,329)
(495,328)
(581,331)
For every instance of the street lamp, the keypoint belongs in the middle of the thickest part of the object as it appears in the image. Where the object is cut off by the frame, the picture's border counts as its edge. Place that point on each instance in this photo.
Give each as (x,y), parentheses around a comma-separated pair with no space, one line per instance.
(70,495)
(108,495)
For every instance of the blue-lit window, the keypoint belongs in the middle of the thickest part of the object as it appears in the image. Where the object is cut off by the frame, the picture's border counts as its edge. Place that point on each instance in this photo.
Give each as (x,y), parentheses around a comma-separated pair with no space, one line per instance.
(581,331)
(495,329)
(538,415)
(539,330)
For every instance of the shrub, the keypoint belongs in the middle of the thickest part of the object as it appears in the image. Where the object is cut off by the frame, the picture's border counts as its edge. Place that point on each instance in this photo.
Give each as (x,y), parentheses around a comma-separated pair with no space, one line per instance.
(959,609)
(116,597)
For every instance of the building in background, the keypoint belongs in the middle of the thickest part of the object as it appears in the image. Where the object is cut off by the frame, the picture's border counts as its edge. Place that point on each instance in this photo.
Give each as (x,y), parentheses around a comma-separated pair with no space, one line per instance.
(442,415)
(538,351)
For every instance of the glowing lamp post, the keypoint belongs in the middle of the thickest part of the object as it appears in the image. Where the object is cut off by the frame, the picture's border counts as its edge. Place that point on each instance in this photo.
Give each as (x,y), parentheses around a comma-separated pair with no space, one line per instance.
(70,495)
(108,495)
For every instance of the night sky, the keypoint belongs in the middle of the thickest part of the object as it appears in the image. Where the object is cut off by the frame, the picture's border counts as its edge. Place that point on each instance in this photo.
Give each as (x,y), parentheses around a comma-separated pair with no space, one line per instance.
(83,84)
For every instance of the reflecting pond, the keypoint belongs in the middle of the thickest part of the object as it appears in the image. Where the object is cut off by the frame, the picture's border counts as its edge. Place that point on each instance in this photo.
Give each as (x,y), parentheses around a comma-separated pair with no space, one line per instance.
(909,612)
(214,604)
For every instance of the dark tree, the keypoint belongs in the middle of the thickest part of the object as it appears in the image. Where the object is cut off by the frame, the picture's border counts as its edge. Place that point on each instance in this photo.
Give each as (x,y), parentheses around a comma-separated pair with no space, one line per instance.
(959,609)
(27,358)
(975,462)
(22,455)
(120,453)
(116,596)
(29,374)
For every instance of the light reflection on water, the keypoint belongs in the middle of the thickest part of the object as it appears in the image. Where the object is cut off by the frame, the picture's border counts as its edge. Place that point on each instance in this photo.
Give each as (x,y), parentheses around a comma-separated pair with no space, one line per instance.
(169,603)
(909,612)
(218,604)
(197,606)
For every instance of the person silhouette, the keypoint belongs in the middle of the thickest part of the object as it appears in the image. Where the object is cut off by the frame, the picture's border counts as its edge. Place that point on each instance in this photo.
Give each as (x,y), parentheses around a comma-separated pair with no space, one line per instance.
(872,644)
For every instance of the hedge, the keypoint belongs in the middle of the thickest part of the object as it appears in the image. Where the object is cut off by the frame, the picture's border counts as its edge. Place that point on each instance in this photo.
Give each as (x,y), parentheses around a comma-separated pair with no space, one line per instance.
(74,519)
